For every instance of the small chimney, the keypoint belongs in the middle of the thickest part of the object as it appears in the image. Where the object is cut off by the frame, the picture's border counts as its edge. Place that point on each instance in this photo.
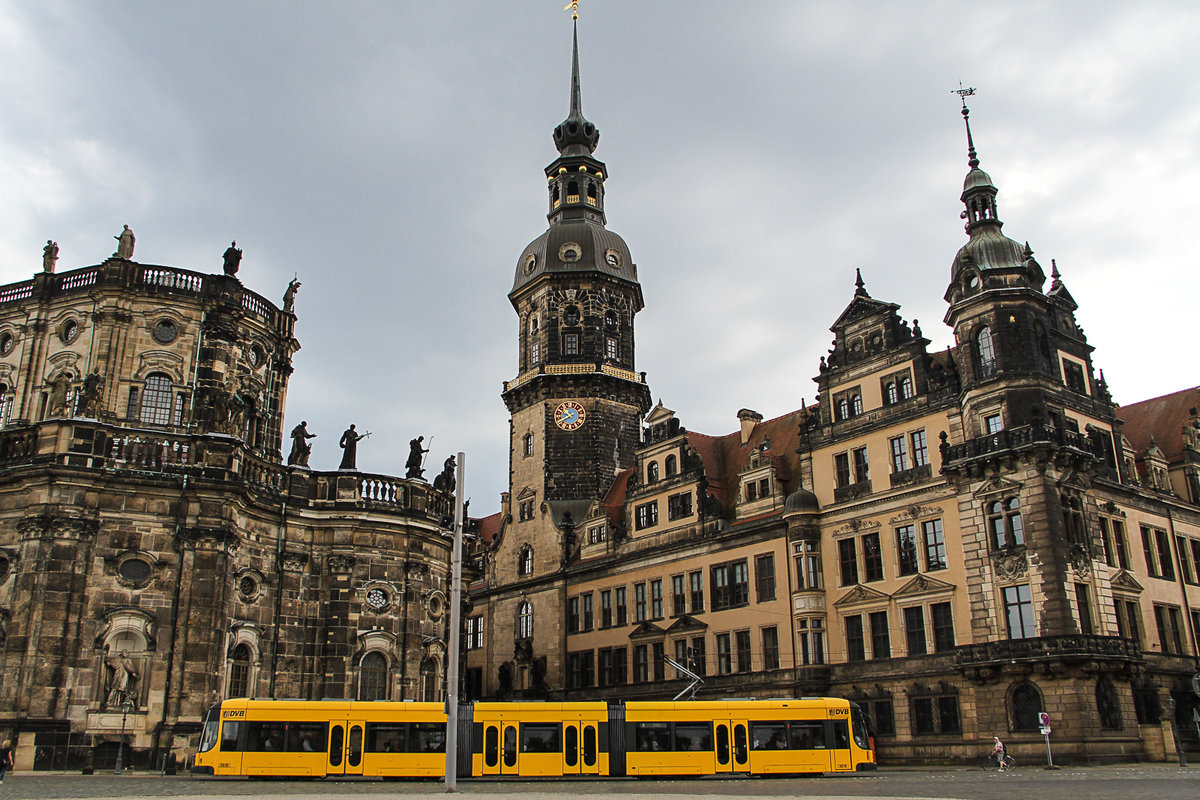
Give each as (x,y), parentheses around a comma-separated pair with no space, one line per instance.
(748,419)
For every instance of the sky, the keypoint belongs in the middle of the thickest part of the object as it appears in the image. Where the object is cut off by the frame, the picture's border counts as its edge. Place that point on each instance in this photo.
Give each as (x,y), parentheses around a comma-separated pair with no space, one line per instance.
(390,156)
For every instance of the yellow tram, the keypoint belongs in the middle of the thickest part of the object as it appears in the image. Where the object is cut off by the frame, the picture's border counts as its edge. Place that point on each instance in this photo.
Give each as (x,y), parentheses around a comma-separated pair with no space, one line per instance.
(535,739)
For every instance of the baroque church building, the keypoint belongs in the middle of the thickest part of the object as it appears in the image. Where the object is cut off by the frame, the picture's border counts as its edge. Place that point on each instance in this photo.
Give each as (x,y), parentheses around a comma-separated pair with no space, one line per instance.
(958,540)
(156,554)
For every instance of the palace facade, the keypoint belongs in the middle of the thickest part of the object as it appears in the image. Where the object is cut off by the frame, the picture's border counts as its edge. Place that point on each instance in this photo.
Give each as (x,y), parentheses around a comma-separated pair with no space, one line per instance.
(959,540)
(156,555)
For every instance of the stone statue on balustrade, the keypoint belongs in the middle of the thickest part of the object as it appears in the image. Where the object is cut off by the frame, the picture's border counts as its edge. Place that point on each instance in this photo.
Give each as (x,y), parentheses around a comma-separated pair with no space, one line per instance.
(349,445)
(60,391)
(49,256)
(416,458)
(289,296)
(446,480)
(89,396)
(233,258)
(125,242)
(122,679)
(301,449)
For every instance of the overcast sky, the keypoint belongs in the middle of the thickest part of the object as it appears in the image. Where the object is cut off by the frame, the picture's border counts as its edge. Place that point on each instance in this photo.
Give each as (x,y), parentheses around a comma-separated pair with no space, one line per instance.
(390,154)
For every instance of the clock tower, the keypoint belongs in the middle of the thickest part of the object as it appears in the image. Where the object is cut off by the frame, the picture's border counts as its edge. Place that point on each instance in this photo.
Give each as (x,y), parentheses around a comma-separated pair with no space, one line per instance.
(576,402)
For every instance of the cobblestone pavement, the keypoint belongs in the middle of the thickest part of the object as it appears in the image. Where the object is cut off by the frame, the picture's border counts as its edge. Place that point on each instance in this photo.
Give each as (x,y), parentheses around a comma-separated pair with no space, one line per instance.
(1126,782)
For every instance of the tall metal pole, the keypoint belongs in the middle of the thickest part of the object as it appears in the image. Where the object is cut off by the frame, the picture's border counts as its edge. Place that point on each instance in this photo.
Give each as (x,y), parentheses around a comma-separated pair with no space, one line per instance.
(455,631)
(125,706)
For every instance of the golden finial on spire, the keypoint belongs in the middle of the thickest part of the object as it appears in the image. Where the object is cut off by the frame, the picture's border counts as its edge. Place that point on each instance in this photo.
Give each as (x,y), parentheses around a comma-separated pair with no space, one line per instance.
(573,7)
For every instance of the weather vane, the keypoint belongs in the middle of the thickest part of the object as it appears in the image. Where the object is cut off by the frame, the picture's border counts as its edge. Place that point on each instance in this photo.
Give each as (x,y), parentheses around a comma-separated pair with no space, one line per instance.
(964,92)
(573,7)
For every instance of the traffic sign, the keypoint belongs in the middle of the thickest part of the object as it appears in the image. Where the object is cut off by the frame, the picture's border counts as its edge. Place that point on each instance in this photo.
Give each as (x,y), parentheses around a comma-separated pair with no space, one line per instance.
(1045,730)
(1043,719)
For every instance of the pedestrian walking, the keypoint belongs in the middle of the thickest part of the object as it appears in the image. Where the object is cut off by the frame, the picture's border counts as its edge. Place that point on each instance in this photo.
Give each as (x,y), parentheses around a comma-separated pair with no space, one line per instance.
(6,758)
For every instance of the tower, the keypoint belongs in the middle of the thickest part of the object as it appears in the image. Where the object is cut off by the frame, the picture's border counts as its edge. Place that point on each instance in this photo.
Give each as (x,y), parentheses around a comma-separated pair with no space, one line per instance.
(576,403)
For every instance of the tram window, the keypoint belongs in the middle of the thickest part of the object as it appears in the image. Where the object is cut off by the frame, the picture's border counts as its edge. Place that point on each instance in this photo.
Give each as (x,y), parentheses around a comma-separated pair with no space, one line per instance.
(229,736)
(860,727)
(427,737)
(841,734)
(571,745)
(208,739)
(693,737)
(739,743)
(589,746)
(807,735)
(651,736)
(386,737)
(310,736)
(491,746)
(540,739)
(286,737)
(723,744)
(510,746)
(335,746)
(768,736)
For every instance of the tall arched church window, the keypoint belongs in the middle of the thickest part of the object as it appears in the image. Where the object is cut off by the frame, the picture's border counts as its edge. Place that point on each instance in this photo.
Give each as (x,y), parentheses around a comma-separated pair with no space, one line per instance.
(525,561)
(430,685)
(239,672)
(373,677)
(525,621)
(985,352)
(157,400)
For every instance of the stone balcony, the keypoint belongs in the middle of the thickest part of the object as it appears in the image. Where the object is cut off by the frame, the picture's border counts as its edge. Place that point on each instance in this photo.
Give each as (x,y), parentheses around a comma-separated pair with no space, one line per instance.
(983,660)
(149,454)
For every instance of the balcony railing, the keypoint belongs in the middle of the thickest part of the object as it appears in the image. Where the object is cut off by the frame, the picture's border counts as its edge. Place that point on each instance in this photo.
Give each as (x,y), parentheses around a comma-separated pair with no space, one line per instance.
(1018,439)
(1073,647)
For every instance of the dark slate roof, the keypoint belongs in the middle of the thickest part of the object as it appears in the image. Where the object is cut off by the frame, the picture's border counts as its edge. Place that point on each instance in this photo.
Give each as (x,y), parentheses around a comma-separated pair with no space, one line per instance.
(594,241)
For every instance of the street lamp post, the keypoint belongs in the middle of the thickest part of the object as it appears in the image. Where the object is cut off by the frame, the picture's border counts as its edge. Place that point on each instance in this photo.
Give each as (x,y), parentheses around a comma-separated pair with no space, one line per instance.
(126,707)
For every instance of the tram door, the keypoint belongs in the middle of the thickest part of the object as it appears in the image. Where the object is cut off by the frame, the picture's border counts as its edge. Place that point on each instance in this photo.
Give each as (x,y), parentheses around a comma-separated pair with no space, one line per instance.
(580,748)
(345,748)
(733,745)
(499,748)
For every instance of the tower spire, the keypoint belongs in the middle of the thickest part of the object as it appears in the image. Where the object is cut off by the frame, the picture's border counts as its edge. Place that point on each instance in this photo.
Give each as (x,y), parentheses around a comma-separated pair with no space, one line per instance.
(963,93)
(575,136)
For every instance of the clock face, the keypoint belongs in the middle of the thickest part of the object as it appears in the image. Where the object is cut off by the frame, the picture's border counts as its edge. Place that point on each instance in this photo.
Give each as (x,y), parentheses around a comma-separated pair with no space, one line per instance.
(376,598)
(569,415)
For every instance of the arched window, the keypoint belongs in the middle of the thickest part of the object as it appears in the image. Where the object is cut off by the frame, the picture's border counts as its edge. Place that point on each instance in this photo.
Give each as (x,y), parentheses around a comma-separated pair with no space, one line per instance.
(156,400)
(239,672)
(373,677)
(525,561)
(572,192)
(430,685)
(610,320)
(891,394)
(571,315)
(1107,704)
(1024,703)
(652,472)
(843,408)
(856,406)
(985,352)
(525,621)
(1004,523)
(672,466)
(906,387)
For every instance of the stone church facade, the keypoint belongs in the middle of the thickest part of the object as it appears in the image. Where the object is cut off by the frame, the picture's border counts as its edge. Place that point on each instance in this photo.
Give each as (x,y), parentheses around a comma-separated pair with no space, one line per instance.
(156,554)
(958,540)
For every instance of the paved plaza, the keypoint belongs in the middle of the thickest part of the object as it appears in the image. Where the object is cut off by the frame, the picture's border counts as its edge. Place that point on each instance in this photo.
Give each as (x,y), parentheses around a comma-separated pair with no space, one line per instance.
(1126,782)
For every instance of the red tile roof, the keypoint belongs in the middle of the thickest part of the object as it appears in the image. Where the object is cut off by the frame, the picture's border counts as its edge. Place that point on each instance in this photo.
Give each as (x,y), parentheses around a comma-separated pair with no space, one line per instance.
(1162,419)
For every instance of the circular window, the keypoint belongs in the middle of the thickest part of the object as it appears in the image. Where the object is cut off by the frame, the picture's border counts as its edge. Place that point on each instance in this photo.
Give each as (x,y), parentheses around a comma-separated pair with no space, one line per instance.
(530,263)
(165,331)
(613,257)
(570,252)
(256,356)
(134,570)
(7,343)
(377,599)
(973,282)
(437,606)
(248,587)
(69,331)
